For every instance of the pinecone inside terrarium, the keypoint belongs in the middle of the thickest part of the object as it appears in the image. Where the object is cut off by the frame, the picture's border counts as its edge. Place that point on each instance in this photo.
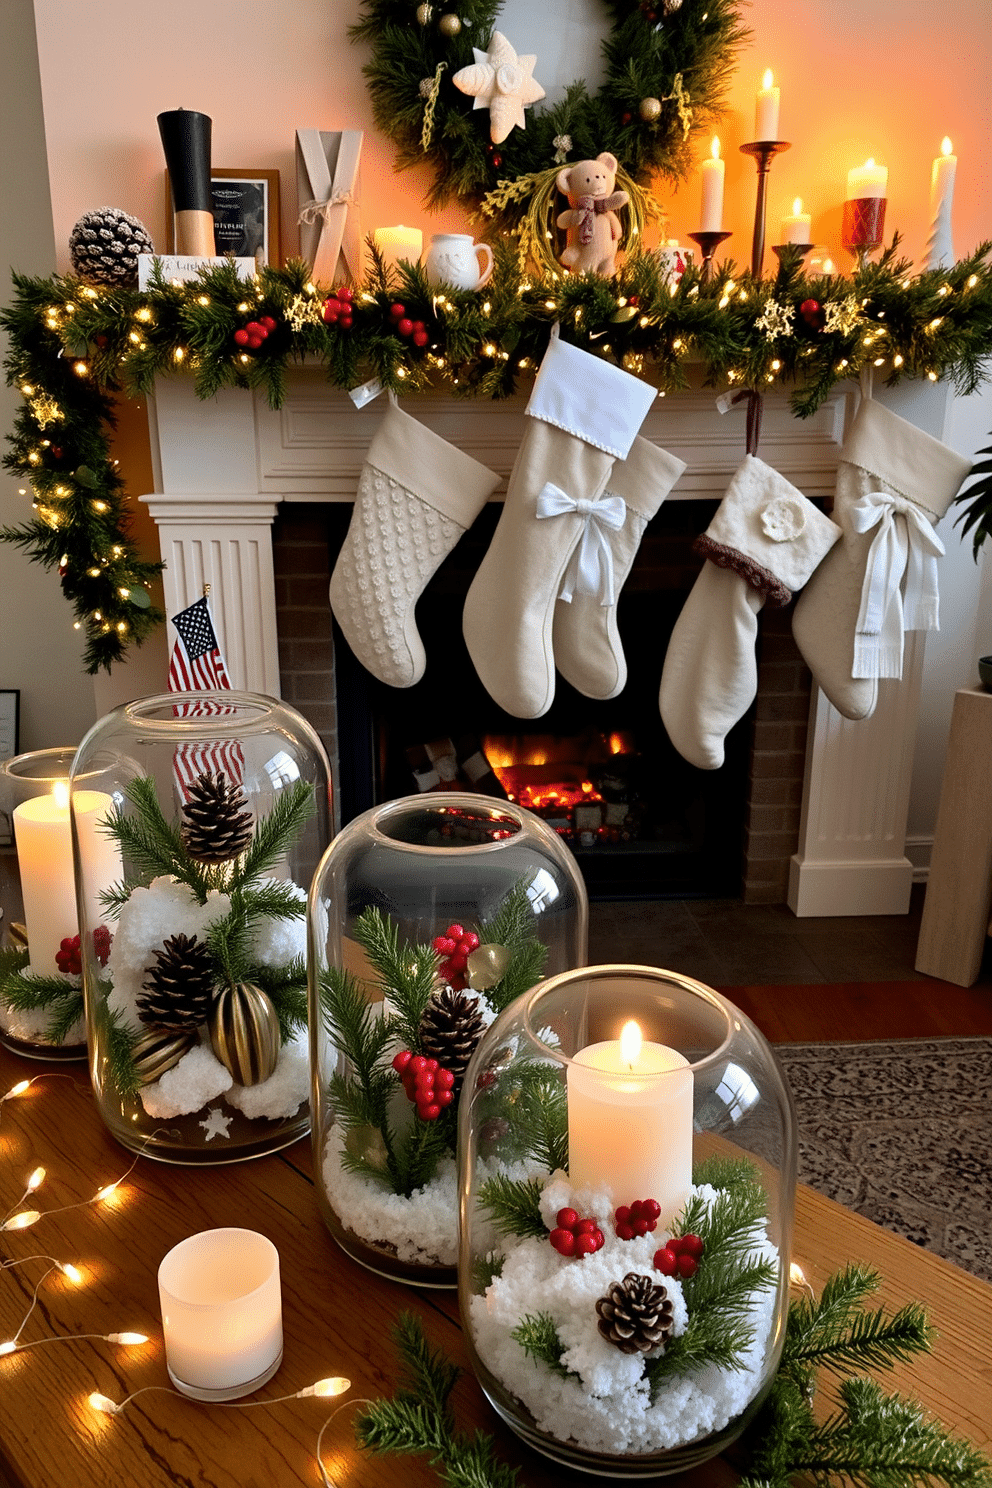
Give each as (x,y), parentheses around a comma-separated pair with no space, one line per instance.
(104,246)
(635,1315)
(216,827)
(450,1027)
(179,991)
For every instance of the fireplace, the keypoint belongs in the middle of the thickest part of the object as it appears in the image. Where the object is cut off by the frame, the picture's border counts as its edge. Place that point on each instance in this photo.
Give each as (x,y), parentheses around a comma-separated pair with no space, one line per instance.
(826,800)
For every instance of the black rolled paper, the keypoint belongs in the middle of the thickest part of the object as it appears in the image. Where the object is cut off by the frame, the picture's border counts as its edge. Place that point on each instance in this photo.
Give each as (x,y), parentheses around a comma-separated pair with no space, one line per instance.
(186,142)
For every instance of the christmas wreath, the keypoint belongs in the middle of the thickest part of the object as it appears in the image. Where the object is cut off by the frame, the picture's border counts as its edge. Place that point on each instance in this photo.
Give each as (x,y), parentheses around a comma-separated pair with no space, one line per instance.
(667,66)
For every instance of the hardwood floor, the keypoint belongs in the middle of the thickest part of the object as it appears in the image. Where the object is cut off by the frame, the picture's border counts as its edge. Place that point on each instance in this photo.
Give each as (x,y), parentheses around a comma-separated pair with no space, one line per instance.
(799,980)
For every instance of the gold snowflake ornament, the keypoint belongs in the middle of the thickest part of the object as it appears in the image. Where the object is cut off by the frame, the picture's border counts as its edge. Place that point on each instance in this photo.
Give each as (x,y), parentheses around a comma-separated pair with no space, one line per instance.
(842,315)
(775,320)
(503,83)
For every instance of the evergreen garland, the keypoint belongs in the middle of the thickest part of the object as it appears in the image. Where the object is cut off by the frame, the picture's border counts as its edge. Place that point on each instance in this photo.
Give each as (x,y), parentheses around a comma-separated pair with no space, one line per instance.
(869,1438)
(744,333)
(977,502)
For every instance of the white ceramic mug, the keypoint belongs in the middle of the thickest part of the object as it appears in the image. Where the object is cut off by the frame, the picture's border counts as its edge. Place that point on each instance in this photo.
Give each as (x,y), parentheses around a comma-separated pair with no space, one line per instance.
(453,259)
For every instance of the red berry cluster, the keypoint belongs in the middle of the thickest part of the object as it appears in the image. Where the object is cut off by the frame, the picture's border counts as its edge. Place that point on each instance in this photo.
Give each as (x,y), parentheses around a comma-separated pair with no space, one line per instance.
(575,1236)
(455,945)
(637,1218)
(68,959)
(255,332)
(679,1256)
(410,330)
(339,308)
(427,1085)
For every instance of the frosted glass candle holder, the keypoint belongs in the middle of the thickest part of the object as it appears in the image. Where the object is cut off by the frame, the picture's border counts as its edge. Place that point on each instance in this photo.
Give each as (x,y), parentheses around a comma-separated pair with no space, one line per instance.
(39,908)
(221,1313)
(563,1122)
(422,866)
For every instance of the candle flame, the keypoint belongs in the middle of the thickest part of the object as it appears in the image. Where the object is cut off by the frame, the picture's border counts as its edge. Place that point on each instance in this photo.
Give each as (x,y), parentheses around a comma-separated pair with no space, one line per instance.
(60,790)
(870,163)
(768,80)
(715,148)
(797,206)
(630,1043)
(945,145)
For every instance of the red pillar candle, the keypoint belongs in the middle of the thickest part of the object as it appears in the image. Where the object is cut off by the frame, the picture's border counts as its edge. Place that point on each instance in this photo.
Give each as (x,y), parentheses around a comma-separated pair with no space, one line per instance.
(864,209)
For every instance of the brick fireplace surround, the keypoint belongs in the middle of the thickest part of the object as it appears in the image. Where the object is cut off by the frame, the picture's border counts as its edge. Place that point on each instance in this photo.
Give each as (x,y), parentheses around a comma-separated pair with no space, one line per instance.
(239,491)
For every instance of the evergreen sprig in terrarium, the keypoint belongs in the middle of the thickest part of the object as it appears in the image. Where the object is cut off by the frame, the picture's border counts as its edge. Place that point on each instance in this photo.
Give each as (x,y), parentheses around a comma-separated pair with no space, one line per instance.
(388,1162)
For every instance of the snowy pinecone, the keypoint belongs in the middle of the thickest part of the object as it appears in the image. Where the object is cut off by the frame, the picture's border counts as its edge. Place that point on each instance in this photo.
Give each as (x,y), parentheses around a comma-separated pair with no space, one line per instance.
(104,247)
(179,991)
(635,1314)
(215,826)
(450,1027)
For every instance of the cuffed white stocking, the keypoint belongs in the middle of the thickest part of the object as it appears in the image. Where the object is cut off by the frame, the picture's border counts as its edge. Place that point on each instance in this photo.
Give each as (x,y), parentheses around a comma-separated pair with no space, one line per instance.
(582,415)
(763,544)
(894,483)
(417,494)
(586,642)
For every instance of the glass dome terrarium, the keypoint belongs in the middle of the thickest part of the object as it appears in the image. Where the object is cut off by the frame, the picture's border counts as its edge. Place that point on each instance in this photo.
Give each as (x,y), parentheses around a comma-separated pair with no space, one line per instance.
(627,1170)
(41,999)
(202,820)
(427,915)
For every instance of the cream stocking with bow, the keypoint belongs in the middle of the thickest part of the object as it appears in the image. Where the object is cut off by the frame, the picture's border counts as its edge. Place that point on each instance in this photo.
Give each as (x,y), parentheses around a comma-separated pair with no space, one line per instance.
(586,641)
(762,545)
(583,414)
(894,482)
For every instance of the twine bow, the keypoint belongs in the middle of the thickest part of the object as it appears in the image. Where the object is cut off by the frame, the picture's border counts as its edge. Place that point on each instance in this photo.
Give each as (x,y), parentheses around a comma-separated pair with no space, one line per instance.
(314,209)
(590,568)
(904,545)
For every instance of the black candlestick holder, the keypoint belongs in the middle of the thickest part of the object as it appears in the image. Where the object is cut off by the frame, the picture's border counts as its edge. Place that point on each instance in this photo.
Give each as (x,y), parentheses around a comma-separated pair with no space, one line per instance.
(780,249)
(764,152)
(708,244)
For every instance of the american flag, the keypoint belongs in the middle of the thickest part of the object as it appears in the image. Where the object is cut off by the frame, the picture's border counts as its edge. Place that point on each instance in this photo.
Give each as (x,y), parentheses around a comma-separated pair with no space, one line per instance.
(197,665)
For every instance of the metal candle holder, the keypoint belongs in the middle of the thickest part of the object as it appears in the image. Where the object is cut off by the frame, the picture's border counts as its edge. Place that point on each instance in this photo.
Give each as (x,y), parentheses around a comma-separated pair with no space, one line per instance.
(764,152)
(708,243)
(779,249)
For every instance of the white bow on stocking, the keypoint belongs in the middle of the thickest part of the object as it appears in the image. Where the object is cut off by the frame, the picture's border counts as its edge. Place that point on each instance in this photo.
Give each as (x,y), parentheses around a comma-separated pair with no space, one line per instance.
(590,568)
(907,547)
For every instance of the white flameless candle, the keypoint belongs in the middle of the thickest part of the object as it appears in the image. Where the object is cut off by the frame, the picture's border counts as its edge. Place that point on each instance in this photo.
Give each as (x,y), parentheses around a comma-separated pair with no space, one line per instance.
(630,1121)
(766,109)
(99,854)
(940,249)
(867,180)
(399,242)
(221,1313)
(44,859)
(713,171)
(796,229)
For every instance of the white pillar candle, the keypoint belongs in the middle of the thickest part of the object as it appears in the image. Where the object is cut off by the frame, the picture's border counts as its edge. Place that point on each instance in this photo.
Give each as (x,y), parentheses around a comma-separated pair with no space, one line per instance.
(630,1121)
(399,242)
(940,248)
(100,863)
(766,109)
(797,228)
(44,859)
(867,180)
(221,1313)
(713,171)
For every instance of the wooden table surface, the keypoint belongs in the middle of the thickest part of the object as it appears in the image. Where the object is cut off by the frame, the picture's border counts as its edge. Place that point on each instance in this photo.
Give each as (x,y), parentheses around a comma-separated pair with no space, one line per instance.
(336,1317)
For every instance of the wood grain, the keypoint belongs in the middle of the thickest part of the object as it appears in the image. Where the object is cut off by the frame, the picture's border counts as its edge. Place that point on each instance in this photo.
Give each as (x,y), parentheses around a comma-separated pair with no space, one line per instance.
(337,1318)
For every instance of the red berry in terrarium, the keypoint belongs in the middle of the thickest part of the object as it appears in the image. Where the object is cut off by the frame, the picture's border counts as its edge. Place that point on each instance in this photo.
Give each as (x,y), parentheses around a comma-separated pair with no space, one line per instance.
(102,939)
(680,1256)
(427,1084)
(574,1236)
(636,1219)
(67,957)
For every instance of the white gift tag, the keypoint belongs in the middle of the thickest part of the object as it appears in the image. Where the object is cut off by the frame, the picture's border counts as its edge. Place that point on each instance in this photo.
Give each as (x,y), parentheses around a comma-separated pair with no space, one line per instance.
(366,393)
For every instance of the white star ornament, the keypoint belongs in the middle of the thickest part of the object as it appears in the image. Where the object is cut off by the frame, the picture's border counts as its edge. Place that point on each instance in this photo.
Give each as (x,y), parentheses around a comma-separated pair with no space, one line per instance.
(503,83)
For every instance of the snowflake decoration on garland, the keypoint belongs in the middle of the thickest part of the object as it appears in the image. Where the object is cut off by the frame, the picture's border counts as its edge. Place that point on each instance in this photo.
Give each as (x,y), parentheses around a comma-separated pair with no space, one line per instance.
(304,310)
(842,316)
(776,320)
(46,411)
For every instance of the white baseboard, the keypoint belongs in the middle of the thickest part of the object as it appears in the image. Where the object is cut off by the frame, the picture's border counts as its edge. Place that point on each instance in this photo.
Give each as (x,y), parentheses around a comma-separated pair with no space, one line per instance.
(918,851)
(879,887)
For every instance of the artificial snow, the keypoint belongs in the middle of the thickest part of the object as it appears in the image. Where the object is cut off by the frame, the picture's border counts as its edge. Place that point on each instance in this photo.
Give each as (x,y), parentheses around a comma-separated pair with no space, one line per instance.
(284,1092)
(608,1407)
(31,1024)
(198,1078)
(277,942)
(422,1229)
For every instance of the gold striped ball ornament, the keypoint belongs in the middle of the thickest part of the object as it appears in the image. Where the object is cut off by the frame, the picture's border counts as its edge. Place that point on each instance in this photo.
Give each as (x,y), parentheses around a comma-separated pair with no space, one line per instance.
(159,1050)
(244,1032)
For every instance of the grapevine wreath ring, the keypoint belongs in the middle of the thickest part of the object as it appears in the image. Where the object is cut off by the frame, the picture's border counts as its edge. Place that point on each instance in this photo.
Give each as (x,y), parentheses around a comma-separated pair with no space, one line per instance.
(668,64)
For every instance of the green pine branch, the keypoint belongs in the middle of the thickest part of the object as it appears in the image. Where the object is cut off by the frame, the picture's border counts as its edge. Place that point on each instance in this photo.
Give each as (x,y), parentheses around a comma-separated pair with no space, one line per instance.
(273,835)
(538,1337)
(66,1015)
(150,846)
(118,1043)
(514,1205)
(976,500)
(31,993)
(286,988)
(407,974)
(512,926)
(540,1116)
(837,1333)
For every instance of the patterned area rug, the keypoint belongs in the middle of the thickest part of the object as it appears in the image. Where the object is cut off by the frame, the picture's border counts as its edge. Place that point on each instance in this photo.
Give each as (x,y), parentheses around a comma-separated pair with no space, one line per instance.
(901,1132)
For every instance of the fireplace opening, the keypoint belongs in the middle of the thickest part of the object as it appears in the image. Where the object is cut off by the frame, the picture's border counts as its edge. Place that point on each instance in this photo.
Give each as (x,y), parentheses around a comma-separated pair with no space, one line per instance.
(642,822)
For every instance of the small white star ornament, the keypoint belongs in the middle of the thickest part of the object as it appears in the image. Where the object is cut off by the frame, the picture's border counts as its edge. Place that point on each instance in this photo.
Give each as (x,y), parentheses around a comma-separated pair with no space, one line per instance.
(216,1123)
(503,83)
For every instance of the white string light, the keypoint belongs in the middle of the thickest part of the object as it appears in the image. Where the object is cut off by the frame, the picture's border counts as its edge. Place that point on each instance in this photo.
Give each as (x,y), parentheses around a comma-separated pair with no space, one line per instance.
(333,1385)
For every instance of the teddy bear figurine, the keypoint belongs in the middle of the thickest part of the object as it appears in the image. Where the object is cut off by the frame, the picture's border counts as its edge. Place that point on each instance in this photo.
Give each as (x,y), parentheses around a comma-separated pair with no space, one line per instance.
(591,221)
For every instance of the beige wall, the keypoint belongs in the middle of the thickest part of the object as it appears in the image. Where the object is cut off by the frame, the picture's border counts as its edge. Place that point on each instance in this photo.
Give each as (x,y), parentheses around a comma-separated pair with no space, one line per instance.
(39,650)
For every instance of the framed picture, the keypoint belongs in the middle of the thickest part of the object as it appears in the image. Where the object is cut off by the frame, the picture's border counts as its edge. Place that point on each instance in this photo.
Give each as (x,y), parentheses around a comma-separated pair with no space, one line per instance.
(246,213)
(10,718)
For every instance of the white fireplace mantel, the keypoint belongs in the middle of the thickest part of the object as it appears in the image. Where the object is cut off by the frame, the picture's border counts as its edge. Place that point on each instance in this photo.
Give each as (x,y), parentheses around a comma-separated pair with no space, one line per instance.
(222,467)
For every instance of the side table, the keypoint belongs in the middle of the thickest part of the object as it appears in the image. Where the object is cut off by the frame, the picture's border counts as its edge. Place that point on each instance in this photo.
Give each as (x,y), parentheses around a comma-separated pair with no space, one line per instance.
(959,892)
